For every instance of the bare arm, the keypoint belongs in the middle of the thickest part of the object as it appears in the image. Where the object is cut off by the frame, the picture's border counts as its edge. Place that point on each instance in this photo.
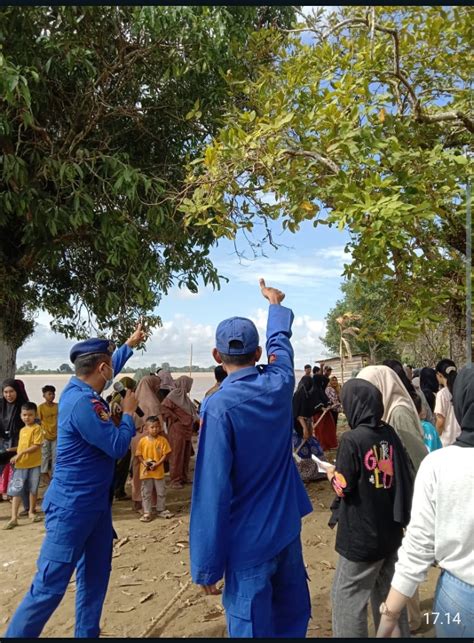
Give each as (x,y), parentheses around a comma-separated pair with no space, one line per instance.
(440,422)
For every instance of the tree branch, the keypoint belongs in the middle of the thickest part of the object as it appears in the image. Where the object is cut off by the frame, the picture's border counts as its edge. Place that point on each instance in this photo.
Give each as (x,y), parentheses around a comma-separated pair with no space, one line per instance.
(316,157)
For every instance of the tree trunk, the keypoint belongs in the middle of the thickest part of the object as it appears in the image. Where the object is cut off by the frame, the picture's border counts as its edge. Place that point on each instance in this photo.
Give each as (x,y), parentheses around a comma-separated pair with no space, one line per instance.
(7,359)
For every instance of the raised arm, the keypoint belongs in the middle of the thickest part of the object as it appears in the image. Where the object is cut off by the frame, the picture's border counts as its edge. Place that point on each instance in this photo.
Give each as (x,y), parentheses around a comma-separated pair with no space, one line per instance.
(123,354)
(280,319)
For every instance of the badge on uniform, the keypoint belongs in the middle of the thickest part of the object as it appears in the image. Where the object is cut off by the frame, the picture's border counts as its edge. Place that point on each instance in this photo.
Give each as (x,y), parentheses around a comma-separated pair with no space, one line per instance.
(101,411)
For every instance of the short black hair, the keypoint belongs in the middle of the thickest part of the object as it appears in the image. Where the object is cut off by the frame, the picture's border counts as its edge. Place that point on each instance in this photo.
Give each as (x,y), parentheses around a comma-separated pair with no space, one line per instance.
(307,366)
(85,364)
(29,406)
(316,370)
(219,373)
(417,401)
(153,418)
(237,360)
(48,389)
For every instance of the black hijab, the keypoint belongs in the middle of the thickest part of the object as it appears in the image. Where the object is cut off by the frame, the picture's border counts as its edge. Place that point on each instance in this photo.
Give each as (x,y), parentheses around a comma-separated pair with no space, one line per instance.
(303,403)
(362,403)
(463,402)
(10,420)
(320,383)
(429,385)
(363,407)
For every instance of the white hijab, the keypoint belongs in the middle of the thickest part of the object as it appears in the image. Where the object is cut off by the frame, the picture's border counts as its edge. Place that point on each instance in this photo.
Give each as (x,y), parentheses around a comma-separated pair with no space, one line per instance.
(393,391)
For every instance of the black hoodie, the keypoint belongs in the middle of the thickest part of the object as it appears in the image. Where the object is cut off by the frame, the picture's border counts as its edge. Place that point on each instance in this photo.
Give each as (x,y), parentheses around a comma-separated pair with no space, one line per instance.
(372,479)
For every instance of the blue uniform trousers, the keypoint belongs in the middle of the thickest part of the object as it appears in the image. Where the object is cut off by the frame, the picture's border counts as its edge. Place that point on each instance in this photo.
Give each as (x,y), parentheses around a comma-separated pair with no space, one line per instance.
(271,599)
(80,541)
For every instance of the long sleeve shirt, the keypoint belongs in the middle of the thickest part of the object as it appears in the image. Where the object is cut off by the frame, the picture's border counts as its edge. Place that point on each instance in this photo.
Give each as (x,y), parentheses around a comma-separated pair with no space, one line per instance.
(88,445)
(248,498)
(442,521)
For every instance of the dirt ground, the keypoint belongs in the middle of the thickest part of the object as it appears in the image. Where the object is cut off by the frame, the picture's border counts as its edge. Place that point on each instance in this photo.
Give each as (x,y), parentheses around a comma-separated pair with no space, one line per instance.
(151,564)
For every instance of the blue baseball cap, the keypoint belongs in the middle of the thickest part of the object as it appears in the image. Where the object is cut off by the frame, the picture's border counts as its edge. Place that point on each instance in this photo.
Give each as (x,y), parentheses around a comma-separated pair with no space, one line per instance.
(238,329)
(90,347)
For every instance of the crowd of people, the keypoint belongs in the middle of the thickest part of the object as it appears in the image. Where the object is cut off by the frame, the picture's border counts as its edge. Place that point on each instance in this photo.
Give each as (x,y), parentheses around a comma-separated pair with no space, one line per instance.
(397,510)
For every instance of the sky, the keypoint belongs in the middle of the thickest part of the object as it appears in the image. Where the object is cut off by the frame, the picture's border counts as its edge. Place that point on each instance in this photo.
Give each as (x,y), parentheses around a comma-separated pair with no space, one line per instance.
(307,267)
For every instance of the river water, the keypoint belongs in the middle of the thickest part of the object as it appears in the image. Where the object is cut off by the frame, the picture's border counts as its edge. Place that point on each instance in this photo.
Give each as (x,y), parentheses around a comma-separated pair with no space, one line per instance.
(34,383)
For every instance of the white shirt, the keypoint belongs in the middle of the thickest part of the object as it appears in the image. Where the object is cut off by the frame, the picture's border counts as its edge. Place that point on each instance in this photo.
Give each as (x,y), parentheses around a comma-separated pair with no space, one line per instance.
(444,407)
(442,520)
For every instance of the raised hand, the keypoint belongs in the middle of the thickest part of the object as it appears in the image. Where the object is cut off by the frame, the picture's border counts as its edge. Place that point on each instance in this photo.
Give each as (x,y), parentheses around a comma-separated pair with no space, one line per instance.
(273,295)
(137,337)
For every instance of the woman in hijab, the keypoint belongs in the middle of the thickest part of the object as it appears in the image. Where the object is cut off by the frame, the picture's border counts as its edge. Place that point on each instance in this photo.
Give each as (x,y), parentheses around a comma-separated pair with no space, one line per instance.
(399,410)
(148,400)
(122,467)
(304,442)
(13,396)
(167,383)
(181,415)
(374,484)
(429,385)
(324,427)
(441,528)
(412,390)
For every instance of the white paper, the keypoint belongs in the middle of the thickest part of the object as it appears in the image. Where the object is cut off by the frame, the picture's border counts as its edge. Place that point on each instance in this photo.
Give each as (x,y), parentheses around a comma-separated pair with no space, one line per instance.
(322,465)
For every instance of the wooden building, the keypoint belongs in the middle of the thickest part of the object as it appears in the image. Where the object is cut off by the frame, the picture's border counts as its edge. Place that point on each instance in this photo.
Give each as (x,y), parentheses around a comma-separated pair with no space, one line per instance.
(358,361)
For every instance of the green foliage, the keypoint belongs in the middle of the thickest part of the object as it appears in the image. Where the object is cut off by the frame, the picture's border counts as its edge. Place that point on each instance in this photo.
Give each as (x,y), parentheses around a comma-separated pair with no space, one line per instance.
(369,128)
(377,320)
(101,109)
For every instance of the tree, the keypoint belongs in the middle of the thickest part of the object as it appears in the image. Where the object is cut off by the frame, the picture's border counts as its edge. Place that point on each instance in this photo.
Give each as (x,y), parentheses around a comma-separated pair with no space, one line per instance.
(346,328)
(65,368)
(369,128)
(27,368)
(101,109)
(378,322)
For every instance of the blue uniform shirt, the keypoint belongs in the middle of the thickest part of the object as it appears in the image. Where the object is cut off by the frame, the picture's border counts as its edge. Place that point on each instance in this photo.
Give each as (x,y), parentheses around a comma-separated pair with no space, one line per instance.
(248,498)
(88,445)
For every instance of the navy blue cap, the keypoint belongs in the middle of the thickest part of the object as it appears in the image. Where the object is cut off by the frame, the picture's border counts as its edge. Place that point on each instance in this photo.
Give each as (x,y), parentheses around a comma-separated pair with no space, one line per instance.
(90,347)
(238,329)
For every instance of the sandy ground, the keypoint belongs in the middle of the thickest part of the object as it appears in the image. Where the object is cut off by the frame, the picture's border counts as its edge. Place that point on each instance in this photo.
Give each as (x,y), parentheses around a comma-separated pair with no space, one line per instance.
(151,564)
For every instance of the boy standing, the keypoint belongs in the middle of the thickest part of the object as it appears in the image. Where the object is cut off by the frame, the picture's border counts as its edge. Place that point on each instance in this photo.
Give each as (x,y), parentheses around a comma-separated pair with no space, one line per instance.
(48,415)
(27,464)
(151,453)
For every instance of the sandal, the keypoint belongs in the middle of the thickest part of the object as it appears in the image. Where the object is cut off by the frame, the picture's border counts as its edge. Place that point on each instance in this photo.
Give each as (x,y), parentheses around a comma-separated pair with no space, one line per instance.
(35,518)
(11,524)
(145,518)
(165,514)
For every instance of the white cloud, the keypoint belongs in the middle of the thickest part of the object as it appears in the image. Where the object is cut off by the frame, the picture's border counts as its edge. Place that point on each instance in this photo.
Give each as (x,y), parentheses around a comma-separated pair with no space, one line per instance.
(172,342)
(316,266)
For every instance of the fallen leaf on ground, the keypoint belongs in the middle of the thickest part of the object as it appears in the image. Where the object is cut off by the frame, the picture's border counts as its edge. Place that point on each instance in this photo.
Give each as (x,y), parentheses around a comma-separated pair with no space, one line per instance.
(130,584)
(122,610)
(212,616)
(147,597)
(327,564)
(122,542)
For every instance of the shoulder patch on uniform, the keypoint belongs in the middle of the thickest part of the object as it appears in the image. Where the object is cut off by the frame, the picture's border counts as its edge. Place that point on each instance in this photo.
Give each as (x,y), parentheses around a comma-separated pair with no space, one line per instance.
(100,410)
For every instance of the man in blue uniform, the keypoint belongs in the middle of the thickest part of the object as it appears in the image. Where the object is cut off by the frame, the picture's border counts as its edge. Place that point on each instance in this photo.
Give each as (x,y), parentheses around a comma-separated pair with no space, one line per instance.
(248,498)
(77,505)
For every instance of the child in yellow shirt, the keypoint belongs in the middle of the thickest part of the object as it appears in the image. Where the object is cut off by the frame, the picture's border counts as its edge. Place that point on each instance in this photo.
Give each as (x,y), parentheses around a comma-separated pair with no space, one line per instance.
(48,415)
(151,452)
(27,463)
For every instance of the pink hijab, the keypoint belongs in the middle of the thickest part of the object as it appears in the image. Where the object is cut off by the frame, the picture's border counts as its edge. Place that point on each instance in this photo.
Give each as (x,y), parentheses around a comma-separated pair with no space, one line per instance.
(147,396)
(179,395)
